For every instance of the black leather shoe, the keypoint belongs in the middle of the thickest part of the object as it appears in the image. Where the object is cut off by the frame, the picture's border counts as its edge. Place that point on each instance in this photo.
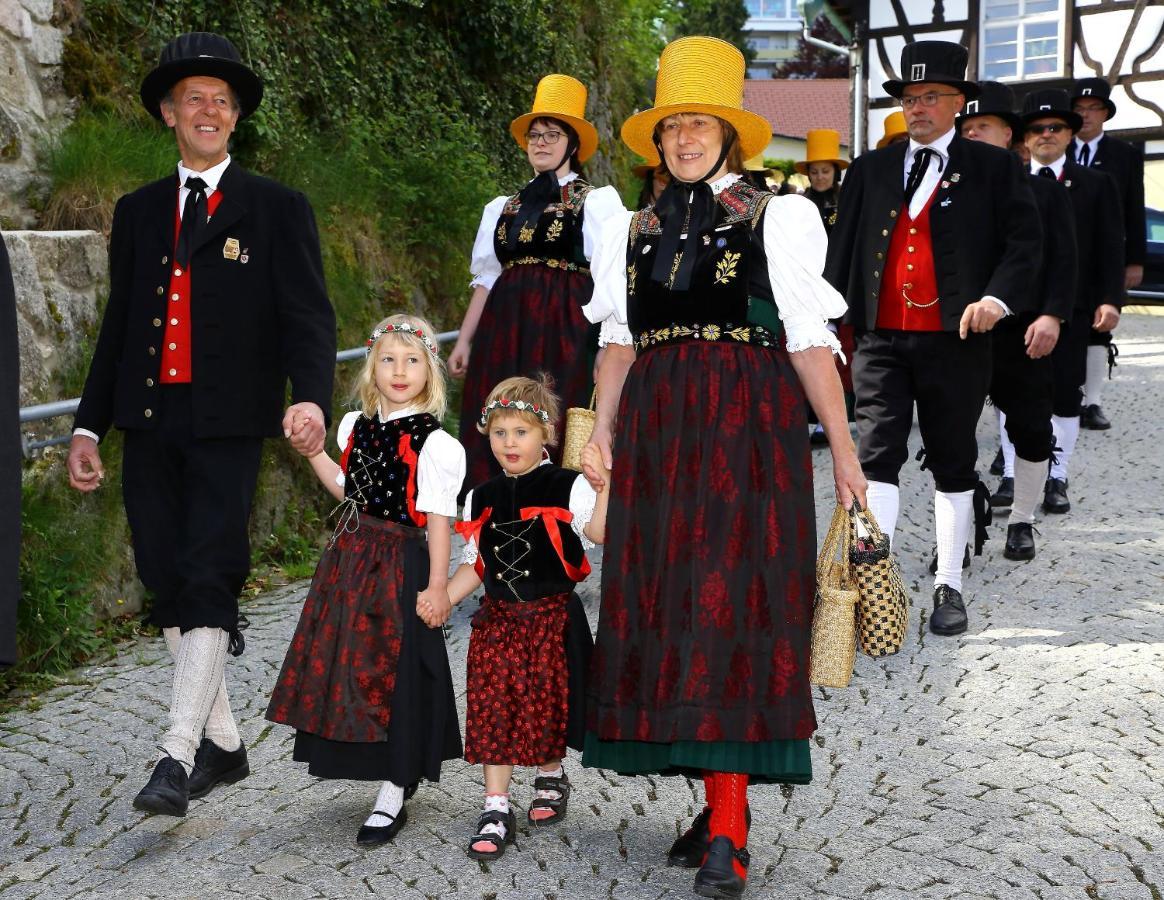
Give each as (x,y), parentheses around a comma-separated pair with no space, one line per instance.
(1055,496)
(213,765)
(998,465)
(1004,496)
(1092,417)
(949,615)
(375,835)
(717,877)
(690,847)
(934,560)
(166,792)
(818,438)
(1020,541)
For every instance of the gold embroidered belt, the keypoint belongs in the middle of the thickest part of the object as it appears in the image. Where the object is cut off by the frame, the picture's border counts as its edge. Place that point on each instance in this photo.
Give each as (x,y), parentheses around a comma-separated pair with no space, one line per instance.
(738,334)
(552,263)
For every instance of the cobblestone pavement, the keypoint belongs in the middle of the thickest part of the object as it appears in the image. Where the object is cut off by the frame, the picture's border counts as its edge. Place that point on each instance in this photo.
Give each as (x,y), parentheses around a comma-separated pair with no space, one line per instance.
(1020,760)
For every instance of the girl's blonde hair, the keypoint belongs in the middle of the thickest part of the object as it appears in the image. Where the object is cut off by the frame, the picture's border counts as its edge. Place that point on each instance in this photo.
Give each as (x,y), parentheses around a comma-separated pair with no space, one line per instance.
(434,398)
(534,391)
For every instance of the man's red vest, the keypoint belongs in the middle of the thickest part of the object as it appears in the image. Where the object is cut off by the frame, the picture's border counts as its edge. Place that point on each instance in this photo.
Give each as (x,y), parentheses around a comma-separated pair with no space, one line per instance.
(909,291)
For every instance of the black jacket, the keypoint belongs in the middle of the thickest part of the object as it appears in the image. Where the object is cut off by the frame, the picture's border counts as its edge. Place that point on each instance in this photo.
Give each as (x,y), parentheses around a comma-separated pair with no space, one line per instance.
(1099,237)
(984,226)
(255,324)
(1055,285)
(1124,164)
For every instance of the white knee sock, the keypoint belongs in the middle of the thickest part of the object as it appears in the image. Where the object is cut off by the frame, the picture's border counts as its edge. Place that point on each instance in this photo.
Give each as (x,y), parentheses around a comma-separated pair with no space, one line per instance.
(883,503)
(220,724)
(389,800)
(198,673)
(1007,447)
(953,520)
(1029,478)
(1096,375)
(1066,434)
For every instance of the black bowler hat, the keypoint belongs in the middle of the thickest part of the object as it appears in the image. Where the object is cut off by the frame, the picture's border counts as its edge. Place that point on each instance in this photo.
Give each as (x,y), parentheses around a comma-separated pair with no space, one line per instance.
(994,99)
(1050,103)
(1097,88)
(201,53)
(939,62)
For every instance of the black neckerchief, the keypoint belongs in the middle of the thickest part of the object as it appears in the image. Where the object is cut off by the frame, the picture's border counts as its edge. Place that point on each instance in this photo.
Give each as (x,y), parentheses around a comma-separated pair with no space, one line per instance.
(542,191)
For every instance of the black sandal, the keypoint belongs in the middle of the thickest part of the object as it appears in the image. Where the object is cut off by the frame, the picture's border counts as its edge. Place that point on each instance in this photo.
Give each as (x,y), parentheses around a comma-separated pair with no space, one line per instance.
(506,820)
(556,805)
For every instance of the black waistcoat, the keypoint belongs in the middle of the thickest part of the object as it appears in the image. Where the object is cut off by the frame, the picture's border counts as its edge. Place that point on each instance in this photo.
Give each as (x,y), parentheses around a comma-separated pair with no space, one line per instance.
(518,556)
(555,235)
(381,479)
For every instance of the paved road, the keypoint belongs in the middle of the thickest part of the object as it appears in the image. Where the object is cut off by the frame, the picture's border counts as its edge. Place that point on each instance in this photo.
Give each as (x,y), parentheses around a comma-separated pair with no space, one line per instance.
(1020,760)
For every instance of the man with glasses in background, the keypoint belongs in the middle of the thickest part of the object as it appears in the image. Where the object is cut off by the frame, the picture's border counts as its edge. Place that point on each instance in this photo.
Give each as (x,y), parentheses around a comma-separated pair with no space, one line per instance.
(936,240)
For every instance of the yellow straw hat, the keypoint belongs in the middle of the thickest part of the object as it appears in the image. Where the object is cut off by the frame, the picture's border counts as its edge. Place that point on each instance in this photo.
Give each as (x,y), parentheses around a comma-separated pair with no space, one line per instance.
(824,145)
(756,163)
(651,163)
(894,125)
(563,98)
(699,75)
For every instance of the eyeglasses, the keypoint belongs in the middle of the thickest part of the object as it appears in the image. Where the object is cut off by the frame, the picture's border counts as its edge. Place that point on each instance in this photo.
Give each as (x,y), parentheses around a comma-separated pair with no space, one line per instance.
(930,98)
(549,138)
(1053,128)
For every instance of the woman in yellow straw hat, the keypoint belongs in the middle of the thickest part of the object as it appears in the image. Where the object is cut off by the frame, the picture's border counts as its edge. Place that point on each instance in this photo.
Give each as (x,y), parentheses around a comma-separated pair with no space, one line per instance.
(530,265)
(713,315)
(654,177)
(894,129)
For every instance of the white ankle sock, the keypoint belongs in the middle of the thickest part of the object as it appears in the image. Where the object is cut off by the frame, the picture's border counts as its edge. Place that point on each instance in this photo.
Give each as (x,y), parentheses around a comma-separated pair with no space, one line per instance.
(953,521)
(1029,478)
(496,803)
(198,674)
(549,773)
(1096,375)
(220,724)
(1007,447)
(883,503)
(389,800)
(1066,434)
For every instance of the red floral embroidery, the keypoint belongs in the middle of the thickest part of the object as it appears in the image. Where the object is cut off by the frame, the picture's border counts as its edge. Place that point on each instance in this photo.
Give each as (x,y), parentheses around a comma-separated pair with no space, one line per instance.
(714,609)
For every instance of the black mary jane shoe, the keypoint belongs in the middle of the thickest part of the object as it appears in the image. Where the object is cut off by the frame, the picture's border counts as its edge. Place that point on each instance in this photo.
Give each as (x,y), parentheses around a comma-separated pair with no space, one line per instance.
(506,820)
(717,877)
(557,805)
(949,615)
(934,560)
(691,846)
(167,792)
(375,835)
(1004,496)
(1055,498)
(213,765)
(1020,541)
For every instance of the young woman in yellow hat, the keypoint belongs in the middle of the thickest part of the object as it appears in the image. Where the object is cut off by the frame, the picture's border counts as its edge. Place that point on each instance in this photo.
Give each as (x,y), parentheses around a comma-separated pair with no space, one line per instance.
(713,315)
(531,270)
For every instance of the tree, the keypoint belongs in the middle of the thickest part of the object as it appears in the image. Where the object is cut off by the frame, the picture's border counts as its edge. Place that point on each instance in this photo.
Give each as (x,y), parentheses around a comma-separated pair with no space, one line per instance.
(816,62)
(723,19)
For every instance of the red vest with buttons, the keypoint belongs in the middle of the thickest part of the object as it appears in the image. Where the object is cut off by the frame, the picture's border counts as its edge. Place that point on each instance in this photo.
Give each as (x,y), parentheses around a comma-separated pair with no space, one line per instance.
(909,291)
(176,359)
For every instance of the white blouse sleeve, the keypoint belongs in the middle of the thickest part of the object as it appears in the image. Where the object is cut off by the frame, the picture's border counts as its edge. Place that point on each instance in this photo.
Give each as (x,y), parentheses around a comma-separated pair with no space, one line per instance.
(608,269)
(484,265)
(343,431)
(440,471)
(795,243)
(469,553)
(600,211)
(582,499)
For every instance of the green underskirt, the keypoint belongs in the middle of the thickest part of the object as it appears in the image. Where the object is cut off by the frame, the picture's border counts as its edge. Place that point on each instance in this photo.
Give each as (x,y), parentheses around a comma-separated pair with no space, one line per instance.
(783,761)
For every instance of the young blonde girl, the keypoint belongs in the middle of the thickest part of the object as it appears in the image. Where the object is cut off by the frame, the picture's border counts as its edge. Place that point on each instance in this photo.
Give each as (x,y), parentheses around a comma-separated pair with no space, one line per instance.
(366,682)
(526,533)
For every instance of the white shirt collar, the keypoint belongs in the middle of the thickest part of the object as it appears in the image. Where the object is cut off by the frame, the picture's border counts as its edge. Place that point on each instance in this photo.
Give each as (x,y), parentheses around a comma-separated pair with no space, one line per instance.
(565,179)
(211,176)
(1093,144)
(398,414)
(724,182)
(941,146)
(1056,166)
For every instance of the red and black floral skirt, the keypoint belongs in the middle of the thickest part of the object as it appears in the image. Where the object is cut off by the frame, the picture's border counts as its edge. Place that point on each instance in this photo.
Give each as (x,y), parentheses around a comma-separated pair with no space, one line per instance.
(526,673)
(709,563)
(366,684)
(532,323)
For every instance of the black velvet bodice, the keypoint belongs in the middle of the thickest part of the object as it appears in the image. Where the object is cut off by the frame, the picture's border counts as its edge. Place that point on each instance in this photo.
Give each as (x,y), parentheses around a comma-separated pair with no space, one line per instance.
(555,235)
(381,466)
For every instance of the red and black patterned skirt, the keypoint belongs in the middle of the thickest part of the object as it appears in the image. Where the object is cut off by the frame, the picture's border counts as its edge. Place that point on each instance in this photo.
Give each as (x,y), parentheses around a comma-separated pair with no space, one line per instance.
(532,322)
(365,683)
(708,567)
(526,673)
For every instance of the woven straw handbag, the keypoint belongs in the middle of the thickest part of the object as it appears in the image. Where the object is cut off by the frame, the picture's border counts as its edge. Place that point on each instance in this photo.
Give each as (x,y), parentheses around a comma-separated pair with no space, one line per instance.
(579,424)
(883,609)
(834,614)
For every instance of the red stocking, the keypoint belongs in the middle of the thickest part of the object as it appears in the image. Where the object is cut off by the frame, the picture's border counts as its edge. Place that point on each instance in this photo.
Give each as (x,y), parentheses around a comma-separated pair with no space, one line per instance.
(728,814)
(709,790)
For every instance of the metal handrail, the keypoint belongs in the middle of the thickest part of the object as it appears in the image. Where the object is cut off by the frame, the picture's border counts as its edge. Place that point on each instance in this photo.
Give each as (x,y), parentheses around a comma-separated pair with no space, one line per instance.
(1158,296)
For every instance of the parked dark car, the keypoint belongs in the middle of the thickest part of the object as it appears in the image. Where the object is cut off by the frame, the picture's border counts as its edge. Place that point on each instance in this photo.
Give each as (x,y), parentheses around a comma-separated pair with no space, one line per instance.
(1154,263)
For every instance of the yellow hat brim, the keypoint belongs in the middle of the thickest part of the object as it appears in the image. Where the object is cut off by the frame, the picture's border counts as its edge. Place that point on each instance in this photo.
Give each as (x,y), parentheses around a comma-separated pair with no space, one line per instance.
(754,131)
(802,165)
(587,133)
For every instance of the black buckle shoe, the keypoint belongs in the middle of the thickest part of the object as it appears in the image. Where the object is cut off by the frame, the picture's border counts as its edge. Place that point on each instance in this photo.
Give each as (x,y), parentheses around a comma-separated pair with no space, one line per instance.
(934,560)
(1092,417)
(949,616)
(213,765)
(717,877)
(375,835)
(1004,496)
(998,466)
(1020,541)
(1055,496)
(691,846)
(166,793)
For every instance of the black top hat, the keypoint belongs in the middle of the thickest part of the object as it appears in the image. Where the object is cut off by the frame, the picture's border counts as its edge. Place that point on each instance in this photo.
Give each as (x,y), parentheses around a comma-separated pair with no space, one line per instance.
(1098,88)
(939,62)
(201,53)
(1048,103)
(994,99)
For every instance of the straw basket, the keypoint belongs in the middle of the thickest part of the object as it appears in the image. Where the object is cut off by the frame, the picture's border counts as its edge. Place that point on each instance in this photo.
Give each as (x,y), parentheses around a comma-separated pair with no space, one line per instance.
(883,610)
(579,424)
(834,614)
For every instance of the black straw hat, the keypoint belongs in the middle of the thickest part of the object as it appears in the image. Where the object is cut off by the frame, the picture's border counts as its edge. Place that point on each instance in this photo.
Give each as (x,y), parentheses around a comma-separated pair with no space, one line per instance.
(1050,103)
(201,53)
(994,99)
(937,62)
(1097,89)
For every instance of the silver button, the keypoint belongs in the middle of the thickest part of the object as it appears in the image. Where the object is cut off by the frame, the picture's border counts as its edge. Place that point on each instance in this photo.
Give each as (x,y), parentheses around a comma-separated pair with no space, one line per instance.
(177,273)
(173,372)
(175,296)
(153,351)
(173,346)
(165,260)
(161,290)
(149,382)
(157,323)
(173,321)
(148,413)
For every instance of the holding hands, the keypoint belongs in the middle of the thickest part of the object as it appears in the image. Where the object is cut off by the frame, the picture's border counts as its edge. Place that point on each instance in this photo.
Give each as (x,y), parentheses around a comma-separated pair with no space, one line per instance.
(433,606)
(303,425)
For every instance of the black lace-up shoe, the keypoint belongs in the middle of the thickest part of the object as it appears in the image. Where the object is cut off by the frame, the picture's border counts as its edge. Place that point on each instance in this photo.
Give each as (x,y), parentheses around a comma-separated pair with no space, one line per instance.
(1020,541)
(166,793)
(949,616)
(998,466)
(213,765)
(1004,496)
(1055,496)
(1092,417)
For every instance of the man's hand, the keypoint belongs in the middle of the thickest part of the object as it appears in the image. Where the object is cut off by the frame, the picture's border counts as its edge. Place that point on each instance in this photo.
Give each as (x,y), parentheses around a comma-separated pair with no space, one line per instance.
(84,464)
(303,425)
(1133,277)
(979,317)
(1107,317)
(1042,336)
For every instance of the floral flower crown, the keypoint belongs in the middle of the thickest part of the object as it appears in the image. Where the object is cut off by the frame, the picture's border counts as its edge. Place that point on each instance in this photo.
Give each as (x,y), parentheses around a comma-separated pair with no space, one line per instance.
(418,333)
(519,405)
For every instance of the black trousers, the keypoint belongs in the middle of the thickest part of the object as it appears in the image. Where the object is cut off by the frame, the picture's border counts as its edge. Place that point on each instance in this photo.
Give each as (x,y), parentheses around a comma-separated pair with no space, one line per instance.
(188,501)
(1069,361)
(1023,388)
(946,376)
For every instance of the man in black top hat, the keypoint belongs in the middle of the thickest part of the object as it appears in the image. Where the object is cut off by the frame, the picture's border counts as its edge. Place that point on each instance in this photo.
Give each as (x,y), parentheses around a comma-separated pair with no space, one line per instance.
(1049,123)
(1022,384)
(216,299)
(1124,163)
(936,241)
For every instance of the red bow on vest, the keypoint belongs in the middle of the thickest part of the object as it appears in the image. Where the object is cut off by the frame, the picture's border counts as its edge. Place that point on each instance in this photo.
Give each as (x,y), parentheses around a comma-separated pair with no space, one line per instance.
(551,516)
(471,531)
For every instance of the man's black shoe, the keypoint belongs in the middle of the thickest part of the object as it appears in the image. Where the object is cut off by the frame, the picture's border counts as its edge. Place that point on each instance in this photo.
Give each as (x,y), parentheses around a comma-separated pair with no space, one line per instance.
(717,877)
(998,466)
(1092,417)
(1004,496)
(690,847)
(375,835)
(1020,541)
(166,792)
(213,765)
(934,560)
(1055,496)
(949,616)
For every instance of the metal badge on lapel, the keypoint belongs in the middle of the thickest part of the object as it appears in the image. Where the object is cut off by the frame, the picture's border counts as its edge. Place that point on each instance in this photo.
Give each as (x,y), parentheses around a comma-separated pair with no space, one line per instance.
(956,177)
(230,250)
(244,259)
